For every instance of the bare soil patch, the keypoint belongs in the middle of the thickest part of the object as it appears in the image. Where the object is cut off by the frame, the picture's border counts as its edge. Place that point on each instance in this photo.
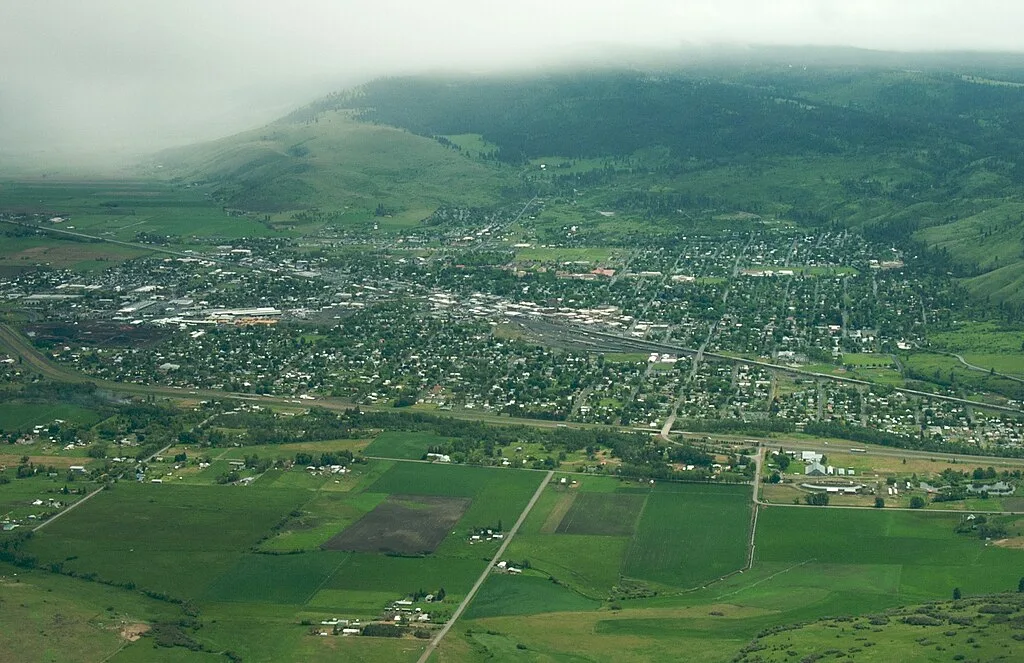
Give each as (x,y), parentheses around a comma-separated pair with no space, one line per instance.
(1017,543)
(132,632)
(402,525)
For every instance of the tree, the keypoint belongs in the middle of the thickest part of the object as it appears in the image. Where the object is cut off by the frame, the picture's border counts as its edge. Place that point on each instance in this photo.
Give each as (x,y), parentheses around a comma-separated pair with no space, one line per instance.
(774,478)
(817,499)
(917,502)
(957,594)
(1020,586)
(879,503)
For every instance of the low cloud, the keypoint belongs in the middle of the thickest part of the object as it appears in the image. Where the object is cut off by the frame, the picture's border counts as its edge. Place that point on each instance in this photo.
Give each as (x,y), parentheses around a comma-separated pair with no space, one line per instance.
(131,74)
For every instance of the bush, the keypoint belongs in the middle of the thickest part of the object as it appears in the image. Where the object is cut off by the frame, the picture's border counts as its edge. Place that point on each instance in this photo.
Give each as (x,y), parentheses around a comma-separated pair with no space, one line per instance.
(917,502)
(921,620)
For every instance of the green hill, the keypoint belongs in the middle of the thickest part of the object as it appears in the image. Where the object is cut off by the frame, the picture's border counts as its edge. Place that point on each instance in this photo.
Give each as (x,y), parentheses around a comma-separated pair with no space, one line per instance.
(923,152)
(989,628)
(338,164)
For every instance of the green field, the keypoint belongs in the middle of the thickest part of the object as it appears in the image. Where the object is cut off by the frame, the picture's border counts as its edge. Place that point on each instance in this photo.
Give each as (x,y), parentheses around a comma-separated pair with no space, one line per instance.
(498,495)
(613,514)
(912,556)
(402,444)
(525,595)
(22,417)
(287,579)
(168,538)
(690,534)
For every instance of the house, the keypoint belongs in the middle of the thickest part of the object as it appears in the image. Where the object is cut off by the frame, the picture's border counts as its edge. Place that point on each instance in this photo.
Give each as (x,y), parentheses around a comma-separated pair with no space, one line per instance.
(811,456)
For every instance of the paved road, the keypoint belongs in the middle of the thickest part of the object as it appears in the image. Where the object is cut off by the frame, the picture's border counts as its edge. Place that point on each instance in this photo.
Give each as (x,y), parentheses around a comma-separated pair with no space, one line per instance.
(483,576)
(981,369)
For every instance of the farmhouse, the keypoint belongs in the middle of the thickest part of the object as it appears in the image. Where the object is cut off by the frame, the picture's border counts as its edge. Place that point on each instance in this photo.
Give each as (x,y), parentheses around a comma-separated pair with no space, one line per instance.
(816,469)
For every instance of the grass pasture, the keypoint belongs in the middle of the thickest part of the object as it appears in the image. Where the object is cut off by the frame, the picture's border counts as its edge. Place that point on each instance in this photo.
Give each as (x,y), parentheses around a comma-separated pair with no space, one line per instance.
(55,619)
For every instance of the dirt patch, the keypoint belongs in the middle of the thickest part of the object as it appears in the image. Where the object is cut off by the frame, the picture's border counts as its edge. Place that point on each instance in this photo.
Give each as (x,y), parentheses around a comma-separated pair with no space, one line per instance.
(402,525)
(12,461)
(1017,543)
(132,632)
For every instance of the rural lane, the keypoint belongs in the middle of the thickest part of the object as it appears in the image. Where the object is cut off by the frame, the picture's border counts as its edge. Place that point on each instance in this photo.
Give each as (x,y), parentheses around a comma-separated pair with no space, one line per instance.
(483,576)
(67,510)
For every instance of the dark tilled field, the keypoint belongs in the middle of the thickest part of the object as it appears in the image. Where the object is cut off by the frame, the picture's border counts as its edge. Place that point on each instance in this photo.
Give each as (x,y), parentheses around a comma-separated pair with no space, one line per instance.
(402,524)
(609,514)
(101,334)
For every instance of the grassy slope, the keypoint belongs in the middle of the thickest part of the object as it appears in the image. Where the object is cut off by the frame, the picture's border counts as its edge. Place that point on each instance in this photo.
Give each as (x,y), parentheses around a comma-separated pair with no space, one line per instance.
(336,163)
(953,631)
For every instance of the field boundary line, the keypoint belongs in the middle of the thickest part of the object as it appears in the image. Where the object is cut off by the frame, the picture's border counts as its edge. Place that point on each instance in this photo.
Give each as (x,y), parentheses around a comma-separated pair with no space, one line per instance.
(487,571)
(764,580)
(633,538)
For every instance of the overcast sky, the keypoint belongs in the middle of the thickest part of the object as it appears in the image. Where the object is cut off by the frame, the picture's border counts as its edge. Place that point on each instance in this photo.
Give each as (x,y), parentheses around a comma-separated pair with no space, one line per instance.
(77,73)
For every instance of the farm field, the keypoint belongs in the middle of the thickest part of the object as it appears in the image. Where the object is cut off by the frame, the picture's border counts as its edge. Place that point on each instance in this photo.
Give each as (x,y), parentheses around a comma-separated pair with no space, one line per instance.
(403,525)
(690,534)
(403,444)
(605,532)
(130,540)
(810,562)
(22,417)
(139,533)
